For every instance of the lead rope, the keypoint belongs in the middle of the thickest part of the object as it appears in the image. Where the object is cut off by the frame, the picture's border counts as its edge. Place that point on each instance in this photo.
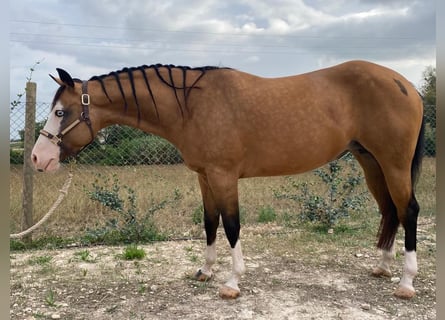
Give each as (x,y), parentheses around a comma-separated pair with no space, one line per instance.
(63,193)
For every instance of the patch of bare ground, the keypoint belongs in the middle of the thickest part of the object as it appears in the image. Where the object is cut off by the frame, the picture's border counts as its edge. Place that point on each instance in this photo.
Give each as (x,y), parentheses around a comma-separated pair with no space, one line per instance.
(287,277)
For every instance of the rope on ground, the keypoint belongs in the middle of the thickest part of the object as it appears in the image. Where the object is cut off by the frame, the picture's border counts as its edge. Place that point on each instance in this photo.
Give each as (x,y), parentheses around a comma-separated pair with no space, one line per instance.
(63,193)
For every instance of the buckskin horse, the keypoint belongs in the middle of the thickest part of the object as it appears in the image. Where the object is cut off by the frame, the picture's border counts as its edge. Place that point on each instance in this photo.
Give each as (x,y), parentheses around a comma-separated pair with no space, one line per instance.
(228,124)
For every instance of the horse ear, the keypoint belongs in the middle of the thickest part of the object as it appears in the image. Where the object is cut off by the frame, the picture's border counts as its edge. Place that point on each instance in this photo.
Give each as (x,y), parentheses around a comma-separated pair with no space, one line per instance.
(65,78)
(57,80)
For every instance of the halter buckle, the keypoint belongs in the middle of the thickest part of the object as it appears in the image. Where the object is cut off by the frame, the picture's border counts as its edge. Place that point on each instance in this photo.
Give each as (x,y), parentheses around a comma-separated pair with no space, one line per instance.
(85,99)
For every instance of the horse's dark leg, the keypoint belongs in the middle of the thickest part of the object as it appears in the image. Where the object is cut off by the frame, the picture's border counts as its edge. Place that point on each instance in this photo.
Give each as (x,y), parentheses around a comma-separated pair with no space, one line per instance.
(391,184)
(224,188)
(389,222)
(400,186)
(211,222)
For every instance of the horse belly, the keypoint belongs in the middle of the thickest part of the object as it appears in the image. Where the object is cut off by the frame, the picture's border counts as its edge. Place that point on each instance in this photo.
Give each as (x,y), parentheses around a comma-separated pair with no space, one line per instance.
(292,156)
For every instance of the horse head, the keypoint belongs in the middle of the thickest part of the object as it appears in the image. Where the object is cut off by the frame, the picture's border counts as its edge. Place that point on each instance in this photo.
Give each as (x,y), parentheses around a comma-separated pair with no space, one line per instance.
(70,126)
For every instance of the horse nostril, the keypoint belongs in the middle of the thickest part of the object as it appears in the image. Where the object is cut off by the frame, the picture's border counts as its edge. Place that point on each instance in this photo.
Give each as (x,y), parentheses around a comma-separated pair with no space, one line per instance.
(34,158)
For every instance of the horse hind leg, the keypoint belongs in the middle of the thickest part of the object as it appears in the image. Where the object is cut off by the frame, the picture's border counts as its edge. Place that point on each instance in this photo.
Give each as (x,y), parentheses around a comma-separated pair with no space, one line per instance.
(400,186)
(393,189)
(389,221)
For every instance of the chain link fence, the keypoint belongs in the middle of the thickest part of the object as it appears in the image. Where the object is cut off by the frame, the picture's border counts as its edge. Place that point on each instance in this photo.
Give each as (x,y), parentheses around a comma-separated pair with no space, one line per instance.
(117,151)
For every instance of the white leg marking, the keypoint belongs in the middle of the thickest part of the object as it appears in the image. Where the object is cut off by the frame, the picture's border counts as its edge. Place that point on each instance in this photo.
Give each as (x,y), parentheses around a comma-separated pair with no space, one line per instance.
(210,256)
(409,270)
(238,267)
(387,259)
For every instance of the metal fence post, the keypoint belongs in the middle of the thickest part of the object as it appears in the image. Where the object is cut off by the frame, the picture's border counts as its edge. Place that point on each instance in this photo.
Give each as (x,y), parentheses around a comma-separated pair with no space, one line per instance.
(28,172)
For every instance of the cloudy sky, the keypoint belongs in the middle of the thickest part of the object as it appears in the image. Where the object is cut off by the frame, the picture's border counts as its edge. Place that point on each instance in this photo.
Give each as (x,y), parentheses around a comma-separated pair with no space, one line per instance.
(265,37)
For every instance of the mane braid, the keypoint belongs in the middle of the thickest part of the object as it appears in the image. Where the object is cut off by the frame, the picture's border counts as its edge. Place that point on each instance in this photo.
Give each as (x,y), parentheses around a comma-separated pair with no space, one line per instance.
(169,67)
(133,90)
(102,84)
(142,69)
(175,91)
(168,82)
(184,76)
(187,92)
(119,84)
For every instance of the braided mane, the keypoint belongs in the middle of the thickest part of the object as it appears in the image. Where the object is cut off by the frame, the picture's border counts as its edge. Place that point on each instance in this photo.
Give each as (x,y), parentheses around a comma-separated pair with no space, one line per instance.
(169,82)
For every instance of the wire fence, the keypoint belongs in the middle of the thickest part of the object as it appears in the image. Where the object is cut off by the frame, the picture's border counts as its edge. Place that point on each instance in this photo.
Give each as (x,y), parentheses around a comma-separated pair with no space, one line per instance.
(116,150)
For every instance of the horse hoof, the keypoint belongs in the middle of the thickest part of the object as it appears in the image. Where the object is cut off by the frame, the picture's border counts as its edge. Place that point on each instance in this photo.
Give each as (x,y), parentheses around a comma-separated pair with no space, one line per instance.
(379,272)
(226,292)
(200,276)
(404,293)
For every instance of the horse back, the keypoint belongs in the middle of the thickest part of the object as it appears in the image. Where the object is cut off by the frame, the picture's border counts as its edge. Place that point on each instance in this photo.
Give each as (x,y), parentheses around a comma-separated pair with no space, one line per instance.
(273,126)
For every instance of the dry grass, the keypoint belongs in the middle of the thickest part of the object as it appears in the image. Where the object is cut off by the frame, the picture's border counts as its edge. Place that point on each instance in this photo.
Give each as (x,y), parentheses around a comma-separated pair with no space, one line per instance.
(157,183)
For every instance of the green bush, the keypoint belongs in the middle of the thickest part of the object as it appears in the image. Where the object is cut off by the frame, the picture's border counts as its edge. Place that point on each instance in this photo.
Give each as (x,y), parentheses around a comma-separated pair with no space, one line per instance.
(198,215)
(15,156)
(129,226)
(143,150)
(266,214)
(334,198)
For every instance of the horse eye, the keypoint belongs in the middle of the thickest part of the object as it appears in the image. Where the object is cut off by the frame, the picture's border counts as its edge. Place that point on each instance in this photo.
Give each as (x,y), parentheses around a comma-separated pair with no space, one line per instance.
(60,113)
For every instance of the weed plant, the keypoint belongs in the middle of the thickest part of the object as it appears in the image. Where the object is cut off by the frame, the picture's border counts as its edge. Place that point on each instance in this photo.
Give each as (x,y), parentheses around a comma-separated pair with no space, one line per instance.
(132,252)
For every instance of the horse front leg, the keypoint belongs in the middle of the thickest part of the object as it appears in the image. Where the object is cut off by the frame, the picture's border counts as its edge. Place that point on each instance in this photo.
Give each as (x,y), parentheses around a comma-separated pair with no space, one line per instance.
(224,190)
(211,222)
(230,289)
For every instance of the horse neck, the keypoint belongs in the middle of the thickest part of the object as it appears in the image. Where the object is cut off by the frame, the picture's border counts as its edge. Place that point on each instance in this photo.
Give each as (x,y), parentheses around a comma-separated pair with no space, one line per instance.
(150,104)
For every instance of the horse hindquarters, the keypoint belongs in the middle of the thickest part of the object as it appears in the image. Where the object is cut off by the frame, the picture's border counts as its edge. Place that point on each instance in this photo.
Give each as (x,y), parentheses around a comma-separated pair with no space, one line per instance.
(392,184)
(401,186)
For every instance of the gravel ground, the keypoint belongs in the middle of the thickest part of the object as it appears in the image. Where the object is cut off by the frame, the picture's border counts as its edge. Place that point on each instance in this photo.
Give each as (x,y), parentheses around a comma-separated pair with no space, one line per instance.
(282,281)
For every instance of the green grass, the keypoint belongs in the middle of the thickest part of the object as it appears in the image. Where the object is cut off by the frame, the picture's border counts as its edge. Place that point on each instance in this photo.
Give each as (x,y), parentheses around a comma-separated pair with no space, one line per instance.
(40,260)
(132,252)
(85,256)
(50,298)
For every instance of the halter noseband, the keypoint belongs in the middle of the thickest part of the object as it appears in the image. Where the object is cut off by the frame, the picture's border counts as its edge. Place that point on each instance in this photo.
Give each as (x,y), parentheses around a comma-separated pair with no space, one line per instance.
(84,117)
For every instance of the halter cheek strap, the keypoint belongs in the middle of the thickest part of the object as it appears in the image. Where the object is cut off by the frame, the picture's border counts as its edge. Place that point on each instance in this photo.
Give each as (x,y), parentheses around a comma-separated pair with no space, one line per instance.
(84,117)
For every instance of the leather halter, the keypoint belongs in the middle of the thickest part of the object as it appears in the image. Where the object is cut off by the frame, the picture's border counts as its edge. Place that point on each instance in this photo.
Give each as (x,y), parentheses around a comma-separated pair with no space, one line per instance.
(84,117)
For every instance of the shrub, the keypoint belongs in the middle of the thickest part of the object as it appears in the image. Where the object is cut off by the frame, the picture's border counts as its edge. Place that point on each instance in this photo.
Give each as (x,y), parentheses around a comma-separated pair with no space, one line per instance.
(198,215)
(266,214)
(335,198)
(128,227)
(141,149)
(15,156)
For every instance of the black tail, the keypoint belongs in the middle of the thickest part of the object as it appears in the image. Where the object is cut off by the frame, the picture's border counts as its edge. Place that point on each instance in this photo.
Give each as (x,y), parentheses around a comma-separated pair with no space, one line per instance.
(418,155)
